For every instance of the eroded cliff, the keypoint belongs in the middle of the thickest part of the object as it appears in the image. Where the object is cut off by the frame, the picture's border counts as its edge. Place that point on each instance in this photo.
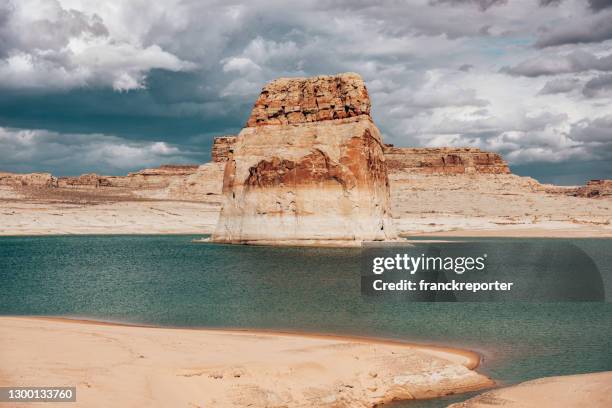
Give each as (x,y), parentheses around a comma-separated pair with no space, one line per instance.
(308,168)
(444,160)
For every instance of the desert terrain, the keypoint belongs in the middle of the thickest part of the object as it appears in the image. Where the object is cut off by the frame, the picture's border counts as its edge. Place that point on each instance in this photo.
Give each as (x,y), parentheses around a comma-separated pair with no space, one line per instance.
(461,204)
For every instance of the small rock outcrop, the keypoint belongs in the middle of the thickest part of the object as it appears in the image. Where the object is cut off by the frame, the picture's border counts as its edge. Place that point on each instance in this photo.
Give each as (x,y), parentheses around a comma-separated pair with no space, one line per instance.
(155,178)
(308,168)
(595,189)
(445,160)
(36,180)
(85,180)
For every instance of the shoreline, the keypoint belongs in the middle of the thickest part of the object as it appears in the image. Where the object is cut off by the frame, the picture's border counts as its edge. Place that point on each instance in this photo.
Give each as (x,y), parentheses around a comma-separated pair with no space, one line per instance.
(515,233)
(464,233)
(119,364)
(527,233)
(471,359)
(592,390)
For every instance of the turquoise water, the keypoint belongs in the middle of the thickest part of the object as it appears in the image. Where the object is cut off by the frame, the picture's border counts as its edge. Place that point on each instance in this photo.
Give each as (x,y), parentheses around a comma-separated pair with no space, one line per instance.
(170,281)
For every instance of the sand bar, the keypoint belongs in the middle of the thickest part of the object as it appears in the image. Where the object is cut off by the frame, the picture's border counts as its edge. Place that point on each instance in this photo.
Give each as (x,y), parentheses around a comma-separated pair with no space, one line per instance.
(584,390)
(120,365)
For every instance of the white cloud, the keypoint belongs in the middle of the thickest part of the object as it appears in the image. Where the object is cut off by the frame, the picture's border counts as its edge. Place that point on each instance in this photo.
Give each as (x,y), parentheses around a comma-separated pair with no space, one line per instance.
(35,150)
(240,64)
(47,46)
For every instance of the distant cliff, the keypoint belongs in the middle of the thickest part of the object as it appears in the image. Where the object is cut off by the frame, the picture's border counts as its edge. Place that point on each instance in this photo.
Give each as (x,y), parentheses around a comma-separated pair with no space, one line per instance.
(445,160)
(423,160)
(595,189)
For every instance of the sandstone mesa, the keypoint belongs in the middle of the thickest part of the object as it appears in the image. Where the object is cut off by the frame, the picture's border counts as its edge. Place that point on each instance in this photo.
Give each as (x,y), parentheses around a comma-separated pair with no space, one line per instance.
(309,166)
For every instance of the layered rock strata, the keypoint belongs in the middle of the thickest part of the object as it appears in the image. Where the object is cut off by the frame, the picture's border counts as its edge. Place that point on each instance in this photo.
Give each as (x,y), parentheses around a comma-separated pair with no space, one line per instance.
(308,168)
(28,180)
(421,160)
(222,148)
(205,184)
(288,101)
(158,177)
(446,160)
(595,189)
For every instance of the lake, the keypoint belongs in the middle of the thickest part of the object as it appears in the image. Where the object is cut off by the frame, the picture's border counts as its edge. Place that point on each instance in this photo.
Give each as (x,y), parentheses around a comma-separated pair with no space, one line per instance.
(171,281)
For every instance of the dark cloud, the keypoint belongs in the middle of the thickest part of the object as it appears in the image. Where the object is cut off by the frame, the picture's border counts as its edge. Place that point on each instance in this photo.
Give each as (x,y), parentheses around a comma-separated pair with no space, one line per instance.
(597,130)
(590,29)
(596,136)
(481,4)
(595,5)
(576,61)
(560,85)
(466,67)
(568,173)
(546,3)
(598,5)
(600,86)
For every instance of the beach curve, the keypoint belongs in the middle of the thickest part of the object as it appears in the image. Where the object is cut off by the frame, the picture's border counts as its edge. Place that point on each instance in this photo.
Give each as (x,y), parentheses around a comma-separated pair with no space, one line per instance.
(129,365)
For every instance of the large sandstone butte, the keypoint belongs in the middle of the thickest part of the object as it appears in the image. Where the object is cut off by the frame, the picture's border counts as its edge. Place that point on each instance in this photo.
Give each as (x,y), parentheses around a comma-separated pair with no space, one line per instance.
(308,168)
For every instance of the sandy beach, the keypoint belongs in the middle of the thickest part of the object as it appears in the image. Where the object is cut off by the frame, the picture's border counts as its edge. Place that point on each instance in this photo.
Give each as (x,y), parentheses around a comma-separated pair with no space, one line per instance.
(131,366)
(585,390)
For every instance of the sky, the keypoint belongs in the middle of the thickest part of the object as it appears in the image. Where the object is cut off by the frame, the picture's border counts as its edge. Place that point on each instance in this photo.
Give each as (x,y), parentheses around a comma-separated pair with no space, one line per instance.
(118,85)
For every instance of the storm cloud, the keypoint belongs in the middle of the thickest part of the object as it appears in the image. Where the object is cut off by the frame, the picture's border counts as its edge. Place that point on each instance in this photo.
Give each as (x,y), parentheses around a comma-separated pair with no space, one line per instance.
(578,30)
(577,61)
(513,77)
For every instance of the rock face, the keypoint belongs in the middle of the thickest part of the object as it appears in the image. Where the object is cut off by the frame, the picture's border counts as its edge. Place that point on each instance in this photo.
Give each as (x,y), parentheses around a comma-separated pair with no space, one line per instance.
(28,180)
(222,147)
(85,180)
(595,189)
(205,184)
(156,178)
(309,167)
(467,160)
(288,101)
